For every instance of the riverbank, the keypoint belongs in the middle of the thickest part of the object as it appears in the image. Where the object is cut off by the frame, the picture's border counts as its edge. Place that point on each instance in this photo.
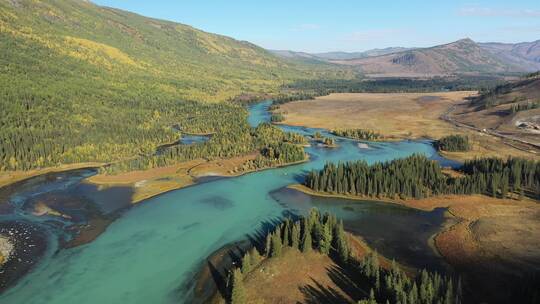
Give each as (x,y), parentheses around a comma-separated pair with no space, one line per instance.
(10,177)
(489,237)
(153,182)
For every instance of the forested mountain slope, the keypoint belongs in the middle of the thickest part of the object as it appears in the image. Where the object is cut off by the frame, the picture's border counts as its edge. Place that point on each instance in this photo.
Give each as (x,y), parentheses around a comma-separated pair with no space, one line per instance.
(525,54)
(80,82)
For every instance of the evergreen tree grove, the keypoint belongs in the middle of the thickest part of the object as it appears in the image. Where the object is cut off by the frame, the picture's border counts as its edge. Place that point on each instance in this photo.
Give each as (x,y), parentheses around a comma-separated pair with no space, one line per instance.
(418,177)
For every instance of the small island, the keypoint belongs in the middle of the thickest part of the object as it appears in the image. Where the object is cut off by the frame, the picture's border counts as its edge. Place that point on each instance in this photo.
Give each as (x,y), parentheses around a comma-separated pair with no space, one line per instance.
(327,142)
(359,134)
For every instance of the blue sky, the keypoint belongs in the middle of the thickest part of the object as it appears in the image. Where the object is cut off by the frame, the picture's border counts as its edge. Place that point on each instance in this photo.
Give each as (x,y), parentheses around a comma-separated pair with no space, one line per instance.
(354,25)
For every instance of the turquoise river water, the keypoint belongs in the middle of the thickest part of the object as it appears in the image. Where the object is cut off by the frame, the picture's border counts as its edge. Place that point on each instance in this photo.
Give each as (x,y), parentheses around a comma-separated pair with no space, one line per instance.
(151,253)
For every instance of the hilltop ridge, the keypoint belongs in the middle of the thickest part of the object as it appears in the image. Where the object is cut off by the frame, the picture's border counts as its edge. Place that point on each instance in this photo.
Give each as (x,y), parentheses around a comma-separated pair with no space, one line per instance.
(463,56)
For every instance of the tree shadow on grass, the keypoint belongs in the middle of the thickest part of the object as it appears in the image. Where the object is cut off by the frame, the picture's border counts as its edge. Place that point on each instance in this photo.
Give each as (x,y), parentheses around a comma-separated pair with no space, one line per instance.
(316,293)
(348,282)
(351,283)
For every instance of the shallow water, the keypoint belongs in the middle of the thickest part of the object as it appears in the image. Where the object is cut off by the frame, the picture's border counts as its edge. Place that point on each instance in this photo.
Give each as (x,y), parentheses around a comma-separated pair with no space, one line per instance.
(194,139)
(150,254)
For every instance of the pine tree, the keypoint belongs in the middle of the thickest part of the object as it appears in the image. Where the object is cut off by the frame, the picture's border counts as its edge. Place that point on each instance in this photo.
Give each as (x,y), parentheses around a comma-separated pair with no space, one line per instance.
(325,241)
(255,257)
(276,245)
(246,263)
(504,185)
(317,234)
(342,244)
(295,235)
(306,241)
(268,245)
(238,293)
(286,238)
(449,296)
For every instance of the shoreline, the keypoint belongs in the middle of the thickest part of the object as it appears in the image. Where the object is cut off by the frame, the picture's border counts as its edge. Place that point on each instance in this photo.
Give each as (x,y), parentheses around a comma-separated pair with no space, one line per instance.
(26,251)
(8,178)
(483,236)
(163,184)
(432,241)
(97,223)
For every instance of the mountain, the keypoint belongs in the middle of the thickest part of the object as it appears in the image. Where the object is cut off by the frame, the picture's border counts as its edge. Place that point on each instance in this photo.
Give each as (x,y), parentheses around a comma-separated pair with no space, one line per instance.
(85,83)
(460,57)
(524,54)
(119,42)
(293,54)
(337,55)
(298,57)
(354,55)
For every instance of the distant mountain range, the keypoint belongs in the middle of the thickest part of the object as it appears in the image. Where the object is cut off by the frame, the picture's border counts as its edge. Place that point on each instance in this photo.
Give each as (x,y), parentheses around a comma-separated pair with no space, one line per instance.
(460,57)
(328,56)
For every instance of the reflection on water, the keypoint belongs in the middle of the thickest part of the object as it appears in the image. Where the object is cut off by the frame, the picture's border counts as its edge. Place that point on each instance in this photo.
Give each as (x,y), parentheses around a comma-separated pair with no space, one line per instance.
(185,139)
(193,139)
(395,231)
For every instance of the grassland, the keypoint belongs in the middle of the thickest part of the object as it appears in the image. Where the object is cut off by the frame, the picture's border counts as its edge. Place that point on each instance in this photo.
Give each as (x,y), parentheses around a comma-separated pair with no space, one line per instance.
(396,116)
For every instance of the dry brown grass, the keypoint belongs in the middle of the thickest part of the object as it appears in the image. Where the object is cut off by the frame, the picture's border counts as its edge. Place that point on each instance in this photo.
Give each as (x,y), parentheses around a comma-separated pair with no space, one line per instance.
(294,276)
(493,238)
(489,229)
(282,279)
(396,116)
(149,183)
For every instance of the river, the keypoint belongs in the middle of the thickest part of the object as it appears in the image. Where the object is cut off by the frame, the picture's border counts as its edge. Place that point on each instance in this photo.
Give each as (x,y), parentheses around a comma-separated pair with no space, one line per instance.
(152,251)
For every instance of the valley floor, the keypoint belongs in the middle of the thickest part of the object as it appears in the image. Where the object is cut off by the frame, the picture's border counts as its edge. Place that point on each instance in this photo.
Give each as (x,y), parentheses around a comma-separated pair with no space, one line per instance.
(398,116)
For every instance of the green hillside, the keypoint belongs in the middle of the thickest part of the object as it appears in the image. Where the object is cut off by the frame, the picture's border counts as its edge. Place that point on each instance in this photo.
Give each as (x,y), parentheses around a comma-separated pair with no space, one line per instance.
(82,83)
(526,90)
